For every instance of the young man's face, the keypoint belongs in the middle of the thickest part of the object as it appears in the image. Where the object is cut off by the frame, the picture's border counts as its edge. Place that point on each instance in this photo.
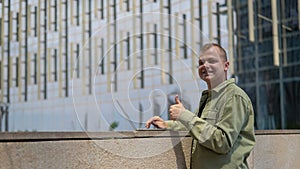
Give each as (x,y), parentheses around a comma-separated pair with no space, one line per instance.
(212,68)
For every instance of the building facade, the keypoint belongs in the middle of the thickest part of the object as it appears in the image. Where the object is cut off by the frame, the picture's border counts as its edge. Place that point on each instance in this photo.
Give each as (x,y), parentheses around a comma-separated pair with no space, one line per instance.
(77,65)
(268,60)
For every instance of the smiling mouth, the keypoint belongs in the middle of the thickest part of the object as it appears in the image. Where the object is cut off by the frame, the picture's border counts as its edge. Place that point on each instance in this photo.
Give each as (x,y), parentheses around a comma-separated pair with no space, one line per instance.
(205,72)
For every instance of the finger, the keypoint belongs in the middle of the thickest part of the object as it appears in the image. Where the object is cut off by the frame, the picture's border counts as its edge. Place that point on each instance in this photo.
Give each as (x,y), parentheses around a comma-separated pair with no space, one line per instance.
(177,100)
(171,113)
(149,122)
(153,120)
(172,117)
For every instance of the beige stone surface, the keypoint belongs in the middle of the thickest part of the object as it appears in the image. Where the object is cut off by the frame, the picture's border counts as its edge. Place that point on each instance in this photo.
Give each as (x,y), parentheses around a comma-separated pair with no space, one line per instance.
(277,151)
(114,154)
(131,150)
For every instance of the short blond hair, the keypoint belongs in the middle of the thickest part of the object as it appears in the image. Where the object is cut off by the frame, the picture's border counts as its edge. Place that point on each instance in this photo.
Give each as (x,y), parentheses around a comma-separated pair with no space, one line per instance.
(222,52)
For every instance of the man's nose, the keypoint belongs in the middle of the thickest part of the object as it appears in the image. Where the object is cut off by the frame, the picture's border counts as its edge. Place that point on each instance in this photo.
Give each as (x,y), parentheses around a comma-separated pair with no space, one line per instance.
(205,64)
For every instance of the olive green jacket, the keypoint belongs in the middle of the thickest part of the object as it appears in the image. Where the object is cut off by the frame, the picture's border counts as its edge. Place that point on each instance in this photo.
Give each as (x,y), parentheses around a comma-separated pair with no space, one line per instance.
(224,135)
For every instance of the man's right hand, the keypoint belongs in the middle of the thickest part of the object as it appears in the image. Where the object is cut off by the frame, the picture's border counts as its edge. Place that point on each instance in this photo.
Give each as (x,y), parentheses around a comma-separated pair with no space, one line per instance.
(157,122)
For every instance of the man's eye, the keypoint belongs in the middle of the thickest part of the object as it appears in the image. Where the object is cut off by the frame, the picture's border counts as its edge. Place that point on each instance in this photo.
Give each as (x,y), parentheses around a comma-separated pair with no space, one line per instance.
(212,61)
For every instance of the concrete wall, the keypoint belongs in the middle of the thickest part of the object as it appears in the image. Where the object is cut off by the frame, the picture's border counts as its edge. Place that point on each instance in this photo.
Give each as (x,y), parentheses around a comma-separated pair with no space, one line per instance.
(142,149)
(276,150)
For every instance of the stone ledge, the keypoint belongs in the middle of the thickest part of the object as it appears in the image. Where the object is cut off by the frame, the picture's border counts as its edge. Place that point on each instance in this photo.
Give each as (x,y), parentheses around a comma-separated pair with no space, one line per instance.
(276,132)
(52,136)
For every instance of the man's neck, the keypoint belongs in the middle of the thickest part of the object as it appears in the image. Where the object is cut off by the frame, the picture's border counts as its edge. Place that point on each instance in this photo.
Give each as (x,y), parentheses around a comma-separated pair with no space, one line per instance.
(211,85)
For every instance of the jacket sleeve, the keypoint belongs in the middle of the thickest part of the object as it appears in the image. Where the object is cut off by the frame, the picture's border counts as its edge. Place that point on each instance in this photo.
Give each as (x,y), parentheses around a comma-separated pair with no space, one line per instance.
(221,136)
(175,125)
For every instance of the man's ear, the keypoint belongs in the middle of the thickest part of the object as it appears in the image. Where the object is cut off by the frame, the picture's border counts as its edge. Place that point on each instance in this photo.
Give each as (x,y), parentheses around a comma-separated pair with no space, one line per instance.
(226,66)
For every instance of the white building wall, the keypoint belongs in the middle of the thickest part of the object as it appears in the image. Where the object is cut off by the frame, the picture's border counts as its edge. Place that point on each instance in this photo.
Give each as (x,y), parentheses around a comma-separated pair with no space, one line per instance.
(95,111)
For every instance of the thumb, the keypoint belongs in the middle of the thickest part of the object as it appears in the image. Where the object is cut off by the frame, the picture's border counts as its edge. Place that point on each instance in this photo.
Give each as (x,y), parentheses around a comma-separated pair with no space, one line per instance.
(177,100)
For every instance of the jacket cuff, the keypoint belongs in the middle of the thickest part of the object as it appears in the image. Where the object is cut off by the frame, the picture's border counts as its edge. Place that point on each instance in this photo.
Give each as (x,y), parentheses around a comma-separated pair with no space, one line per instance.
(170,124)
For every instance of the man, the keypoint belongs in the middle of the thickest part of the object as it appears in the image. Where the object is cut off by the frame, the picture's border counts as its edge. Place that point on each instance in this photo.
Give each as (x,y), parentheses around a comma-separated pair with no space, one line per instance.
(223,127)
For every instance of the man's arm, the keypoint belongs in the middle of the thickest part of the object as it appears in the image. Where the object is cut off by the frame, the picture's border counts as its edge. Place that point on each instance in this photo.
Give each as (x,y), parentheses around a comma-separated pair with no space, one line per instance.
(168,124)
(175,125)
(221,136)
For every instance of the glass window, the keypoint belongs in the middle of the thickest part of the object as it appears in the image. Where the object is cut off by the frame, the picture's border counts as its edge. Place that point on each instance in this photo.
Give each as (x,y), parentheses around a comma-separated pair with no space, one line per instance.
(268,110)
(291,71)
(293,39)
(293,56)
(266,60)
(290,14)
(269,74)
(292,104)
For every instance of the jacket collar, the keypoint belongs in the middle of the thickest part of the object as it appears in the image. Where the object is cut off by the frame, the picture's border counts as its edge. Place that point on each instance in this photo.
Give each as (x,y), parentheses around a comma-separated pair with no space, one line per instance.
(221,86)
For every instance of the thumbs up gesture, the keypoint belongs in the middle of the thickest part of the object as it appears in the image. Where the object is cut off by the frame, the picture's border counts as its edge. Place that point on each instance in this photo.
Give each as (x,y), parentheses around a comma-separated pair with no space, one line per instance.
(176,109)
